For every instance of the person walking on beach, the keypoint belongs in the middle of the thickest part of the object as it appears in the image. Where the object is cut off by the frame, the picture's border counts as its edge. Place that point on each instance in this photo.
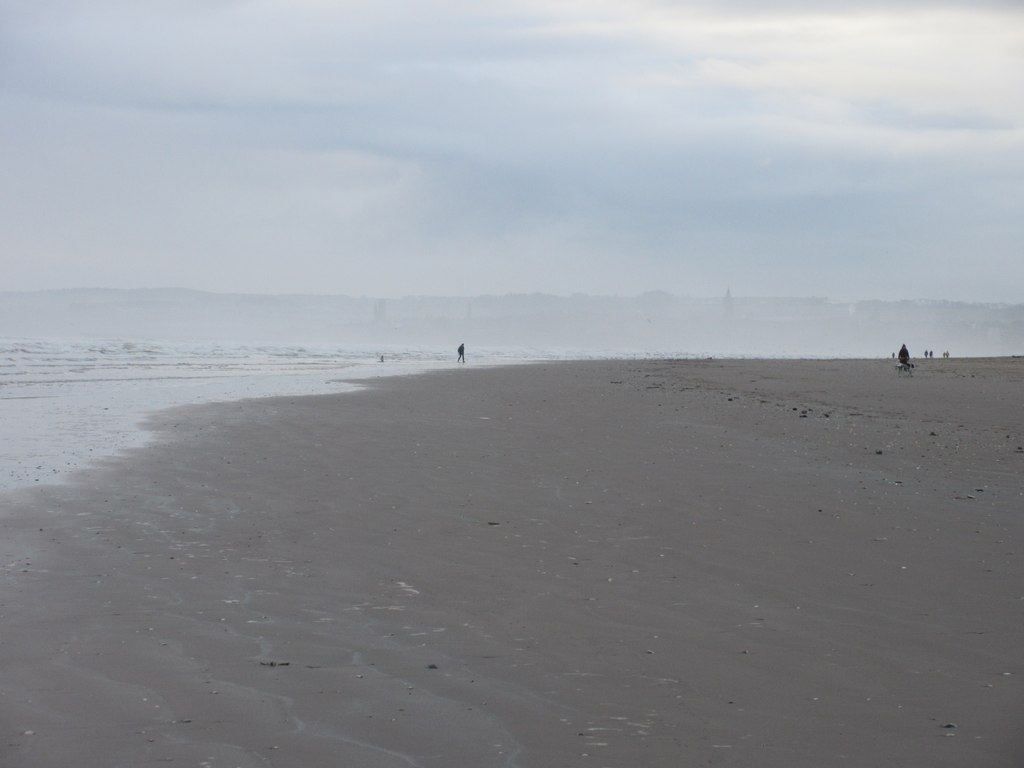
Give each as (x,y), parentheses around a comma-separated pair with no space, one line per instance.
(904,355)
(462,353)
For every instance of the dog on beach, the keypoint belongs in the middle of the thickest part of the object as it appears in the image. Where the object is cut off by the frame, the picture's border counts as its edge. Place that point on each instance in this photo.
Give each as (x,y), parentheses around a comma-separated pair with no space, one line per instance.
(904,369)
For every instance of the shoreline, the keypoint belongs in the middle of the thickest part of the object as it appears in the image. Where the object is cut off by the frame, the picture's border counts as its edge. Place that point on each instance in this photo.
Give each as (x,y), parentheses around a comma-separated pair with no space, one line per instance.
(64,402)
(51,435)
(780,563)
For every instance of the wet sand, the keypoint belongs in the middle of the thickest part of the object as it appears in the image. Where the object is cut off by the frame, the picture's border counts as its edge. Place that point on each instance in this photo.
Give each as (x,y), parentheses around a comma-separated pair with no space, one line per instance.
(658,563)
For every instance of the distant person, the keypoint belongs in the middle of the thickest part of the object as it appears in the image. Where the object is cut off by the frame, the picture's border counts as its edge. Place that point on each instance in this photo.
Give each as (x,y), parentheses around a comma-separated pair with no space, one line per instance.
(904,355)
(462,353)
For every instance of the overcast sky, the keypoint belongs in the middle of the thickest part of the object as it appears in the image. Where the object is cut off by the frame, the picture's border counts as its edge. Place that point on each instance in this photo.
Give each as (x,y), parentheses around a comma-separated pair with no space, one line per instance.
(393,147)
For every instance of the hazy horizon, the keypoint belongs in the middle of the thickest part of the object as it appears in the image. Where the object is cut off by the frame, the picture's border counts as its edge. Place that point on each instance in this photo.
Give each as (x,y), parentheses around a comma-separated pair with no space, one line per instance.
(785,148)
(655,322)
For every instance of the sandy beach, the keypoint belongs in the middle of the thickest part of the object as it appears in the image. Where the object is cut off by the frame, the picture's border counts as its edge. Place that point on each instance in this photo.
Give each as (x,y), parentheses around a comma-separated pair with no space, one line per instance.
(609,564)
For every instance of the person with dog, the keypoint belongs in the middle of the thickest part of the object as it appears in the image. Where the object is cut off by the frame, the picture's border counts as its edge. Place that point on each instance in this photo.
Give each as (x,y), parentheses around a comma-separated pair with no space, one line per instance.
(904,355)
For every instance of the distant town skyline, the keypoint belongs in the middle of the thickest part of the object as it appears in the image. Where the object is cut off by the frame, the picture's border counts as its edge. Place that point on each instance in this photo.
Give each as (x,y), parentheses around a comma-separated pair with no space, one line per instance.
(777,148)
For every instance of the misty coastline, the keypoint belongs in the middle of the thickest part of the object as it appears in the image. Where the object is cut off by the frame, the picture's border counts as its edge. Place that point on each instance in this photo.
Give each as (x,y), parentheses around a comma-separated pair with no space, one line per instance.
(650,323)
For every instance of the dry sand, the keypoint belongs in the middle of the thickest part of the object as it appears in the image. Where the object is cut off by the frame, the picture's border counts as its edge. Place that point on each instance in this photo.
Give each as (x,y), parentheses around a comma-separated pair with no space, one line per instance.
(623,564)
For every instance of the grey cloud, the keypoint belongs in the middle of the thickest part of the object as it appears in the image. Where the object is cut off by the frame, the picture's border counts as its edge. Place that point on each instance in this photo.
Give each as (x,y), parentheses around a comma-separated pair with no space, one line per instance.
(411,147)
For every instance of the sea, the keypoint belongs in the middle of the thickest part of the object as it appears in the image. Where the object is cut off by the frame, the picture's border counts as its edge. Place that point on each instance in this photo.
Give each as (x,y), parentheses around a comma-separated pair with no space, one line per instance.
(67,402)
